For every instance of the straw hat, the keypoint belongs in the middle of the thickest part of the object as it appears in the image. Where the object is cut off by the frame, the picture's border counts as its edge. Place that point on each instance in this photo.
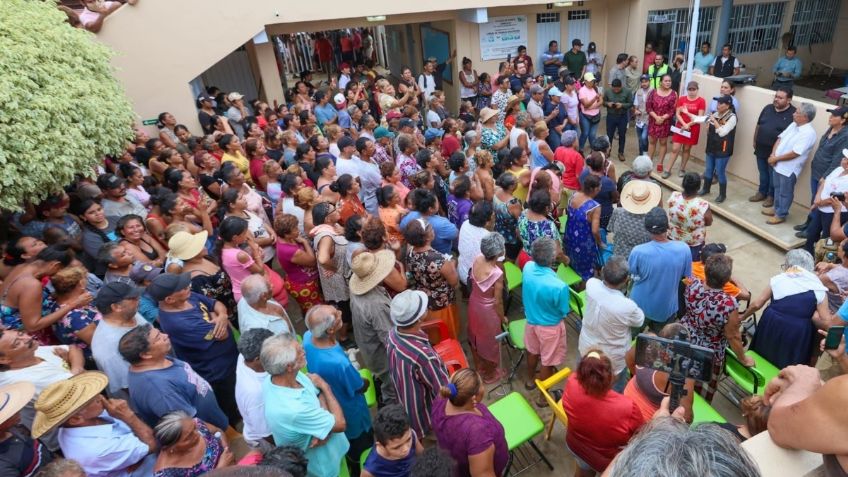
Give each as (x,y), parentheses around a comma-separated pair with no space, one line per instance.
(13,398)
(185,245)
(369,269)
(638,196)
(487,114)
(62,399)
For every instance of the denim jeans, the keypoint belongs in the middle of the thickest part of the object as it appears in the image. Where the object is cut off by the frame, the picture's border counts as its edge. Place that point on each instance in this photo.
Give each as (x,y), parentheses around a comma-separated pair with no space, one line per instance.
(766,172)
(814,187)
(719,164)
(617,123)
(587,130)
(554,139)
(642,135)
(819,227)
(784,192)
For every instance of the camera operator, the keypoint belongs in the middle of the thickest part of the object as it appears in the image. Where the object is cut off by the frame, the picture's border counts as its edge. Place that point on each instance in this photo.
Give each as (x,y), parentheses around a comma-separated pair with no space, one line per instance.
(823,209)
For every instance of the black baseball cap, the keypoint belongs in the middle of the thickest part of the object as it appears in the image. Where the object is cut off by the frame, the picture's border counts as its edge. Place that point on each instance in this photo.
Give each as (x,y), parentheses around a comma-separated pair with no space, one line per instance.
(656,221)
(724,100)
(841,111)
(576,42)
(114,292)
(616,83)
(406,123)
(167,284)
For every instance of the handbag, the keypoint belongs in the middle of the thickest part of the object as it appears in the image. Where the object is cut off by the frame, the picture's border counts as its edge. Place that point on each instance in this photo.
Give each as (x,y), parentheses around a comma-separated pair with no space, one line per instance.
(593,119)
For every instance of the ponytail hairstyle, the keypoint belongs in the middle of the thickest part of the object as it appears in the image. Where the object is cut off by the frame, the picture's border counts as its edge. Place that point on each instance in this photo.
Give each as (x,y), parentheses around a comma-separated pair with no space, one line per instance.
(464,385)
(228,198)
(342,185)
(595,373)
(384,195)
(160,120)
(230,228)
(173,177)
(60,252)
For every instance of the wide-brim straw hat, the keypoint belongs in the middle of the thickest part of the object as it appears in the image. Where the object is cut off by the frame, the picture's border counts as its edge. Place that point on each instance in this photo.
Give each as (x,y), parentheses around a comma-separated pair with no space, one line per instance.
(369,270)
(486,114)
(638,196)
(13,398)
(185,245)
(62,399)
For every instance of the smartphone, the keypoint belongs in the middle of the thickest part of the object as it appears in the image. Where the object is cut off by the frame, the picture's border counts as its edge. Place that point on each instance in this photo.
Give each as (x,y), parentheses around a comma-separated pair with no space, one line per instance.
(834,337)
(509,58)
(659,354)
(838,195)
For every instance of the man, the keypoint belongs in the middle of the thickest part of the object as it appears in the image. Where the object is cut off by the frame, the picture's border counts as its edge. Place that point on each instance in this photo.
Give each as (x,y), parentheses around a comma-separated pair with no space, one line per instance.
(575,60)
(324,50)
(552,60)
(523,57)
(236,113)
(481,220)
(345,163)
(116,202)
(159,385)
(417,371)
(439,68)
(327,359)
(773,120)
(344,68)
(726,64)
(640,112)
(519,76)
(617,71)
(546,303)
(609,317)
(345,120)
(788,156)
(301,409)
(257,309)
(648,59)
(657,70)
(383,150)
(618,102)
(103,435)
(787,69)
(368,173)
(426,81)
(118,306)
(118,261)
(704,59)
(198,327)
(657,268)
(249,378)
(534,107)
(325,112)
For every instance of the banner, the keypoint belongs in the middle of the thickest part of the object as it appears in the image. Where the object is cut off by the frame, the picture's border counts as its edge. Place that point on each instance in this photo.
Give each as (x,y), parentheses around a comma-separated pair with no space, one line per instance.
(502,36)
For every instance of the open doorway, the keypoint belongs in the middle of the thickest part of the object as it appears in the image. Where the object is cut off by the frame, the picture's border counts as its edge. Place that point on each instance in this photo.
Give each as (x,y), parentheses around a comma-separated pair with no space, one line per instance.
(659,33)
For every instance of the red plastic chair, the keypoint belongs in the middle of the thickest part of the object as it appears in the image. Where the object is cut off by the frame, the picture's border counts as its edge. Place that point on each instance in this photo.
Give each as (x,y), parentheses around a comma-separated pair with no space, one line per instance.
(448,349)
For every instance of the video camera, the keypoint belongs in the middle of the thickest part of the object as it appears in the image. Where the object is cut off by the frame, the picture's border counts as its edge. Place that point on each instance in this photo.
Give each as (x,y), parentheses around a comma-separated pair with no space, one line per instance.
(680,359)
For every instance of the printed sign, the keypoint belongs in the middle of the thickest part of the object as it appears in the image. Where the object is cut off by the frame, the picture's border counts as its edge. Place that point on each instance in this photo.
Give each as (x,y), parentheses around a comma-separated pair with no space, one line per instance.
(502,36)
(149,122)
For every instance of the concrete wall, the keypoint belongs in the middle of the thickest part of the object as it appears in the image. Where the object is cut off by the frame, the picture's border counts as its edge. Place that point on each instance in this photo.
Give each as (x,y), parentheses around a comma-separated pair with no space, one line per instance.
(839,53)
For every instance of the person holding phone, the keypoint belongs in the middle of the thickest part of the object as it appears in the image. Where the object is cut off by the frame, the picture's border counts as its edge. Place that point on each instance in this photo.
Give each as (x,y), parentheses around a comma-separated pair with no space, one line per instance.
(822,211)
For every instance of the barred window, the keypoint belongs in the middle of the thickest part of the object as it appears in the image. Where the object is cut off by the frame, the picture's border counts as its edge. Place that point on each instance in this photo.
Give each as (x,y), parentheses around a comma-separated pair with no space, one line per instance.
(755,27)
(547,17)
(578,15)
(681,21)
(814,21)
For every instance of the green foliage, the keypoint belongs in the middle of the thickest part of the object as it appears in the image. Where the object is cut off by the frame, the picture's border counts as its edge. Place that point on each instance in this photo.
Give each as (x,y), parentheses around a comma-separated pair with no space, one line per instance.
(61,108)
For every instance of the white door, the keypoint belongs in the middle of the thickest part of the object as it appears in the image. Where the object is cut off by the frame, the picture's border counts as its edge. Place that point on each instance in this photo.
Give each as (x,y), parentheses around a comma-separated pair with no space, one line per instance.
(547,29)
(579,26)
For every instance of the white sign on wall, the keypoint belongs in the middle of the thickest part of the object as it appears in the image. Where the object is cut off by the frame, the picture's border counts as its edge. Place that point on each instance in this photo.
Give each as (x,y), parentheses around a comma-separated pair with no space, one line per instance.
(502,36)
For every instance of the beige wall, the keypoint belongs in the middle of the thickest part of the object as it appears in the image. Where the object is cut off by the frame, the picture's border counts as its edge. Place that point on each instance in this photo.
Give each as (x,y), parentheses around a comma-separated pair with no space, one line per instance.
(839,53)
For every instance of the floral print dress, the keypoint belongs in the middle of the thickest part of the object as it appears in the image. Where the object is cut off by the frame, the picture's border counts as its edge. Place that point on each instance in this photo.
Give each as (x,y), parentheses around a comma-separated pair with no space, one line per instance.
(505,223)
(661,105)
(426,270)
(686,219)
(207,463)
(579,241)
(529,231)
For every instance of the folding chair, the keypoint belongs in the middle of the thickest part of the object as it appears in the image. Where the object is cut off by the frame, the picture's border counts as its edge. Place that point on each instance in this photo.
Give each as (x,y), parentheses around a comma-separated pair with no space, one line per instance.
(515,340)
(568,275)
(577,302)
(371,392)
(703,412)
(448,349)
(521,424)
(363,457)
(559,412)
(746,381)
(514,278)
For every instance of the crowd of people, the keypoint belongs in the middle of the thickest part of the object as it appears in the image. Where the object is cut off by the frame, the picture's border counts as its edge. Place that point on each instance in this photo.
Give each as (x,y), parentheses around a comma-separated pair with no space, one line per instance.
(145,308)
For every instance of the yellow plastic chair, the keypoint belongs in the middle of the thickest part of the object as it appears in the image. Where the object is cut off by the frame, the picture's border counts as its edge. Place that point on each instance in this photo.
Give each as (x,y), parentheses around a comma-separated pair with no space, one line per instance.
(559,412)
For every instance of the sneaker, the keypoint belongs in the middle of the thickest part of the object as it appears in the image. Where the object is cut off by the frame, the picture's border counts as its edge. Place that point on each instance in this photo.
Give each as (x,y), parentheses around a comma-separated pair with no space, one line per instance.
(681,173)
(666,175)
(768,211)
(757,198)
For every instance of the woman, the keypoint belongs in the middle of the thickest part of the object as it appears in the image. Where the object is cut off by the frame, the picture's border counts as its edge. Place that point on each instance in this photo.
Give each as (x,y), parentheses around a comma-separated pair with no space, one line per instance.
(184,185)
(77,326)
(349,203)
(689,215)
(485,173)
(138,242)
(241,256)
(19,251)
(507,211)
(660,107)
(391,211)
(207,278)
(302,96)
(515,164)
(391,177)
(787,328)
(407,82)
(207,174)
(834,276)
(493,134)
(272,171)
(688,107)
(712,318)
(468,82)
(305,200)
(353,234)
(21,294)
(582,241)
(231,146)
(167,124)
(518,136)
(96,231)
(368,124)
(189,447)
(233,204)
(600,420)
(632,74)
(570,100)
(720,139)
(608,195)
(135,183)
(627,223)
(486,315)
(330,251)
(169,209)
(755,412)
(725,89)
(386,99)
(298,260)
(255,151)
(594,59)
(822,212)
(466,429)
(433,273)
(484,92)
(540,151)
(535,221)
(590,109)
(459,203)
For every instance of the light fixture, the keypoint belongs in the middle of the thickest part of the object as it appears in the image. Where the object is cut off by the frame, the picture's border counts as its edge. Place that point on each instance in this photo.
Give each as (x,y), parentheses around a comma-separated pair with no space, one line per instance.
(563,4)
(376,18)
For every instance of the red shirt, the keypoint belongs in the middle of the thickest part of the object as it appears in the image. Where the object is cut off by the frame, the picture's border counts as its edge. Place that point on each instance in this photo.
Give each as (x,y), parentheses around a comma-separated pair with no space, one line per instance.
(648,61)
(257,170)
(450,144)
(598,428)
(346,43)
(325,49)
(573,164)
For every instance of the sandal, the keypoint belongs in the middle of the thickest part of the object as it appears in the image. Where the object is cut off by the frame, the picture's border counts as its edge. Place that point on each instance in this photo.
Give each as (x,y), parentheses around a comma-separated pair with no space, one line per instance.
(666,175)
(529,386)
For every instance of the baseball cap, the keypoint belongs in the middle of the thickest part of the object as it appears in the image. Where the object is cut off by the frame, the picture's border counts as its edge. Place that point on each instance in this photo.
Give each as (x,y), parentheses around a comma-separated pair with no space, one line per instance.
(346,141)
(109,182)
(167,284)
(205,97)
(576,42)
(88,191)
(656,221)
(432,133)
(408,307)
(141,272)
(724,100)
(382,132)
(115,292)
(644,78)
(406,123)
(841,111)
(235,96)
(616,83)
(589,76)
(339,99)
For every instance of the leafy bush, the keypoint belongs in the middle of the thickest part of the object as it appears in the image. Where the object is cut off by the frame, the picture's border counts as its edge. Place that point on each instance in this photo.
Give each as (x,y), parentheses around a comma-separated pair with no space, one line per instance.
(61,108)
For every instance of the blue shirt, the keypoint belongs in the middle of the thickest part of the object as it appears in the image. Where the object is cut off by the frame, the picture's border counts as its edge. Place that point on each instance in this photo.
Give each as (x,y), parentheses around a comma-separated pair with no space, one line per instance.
(785,65)
(106,450)
(148,308)
(345,120)
(444,230)
(324,114)
(657,269)
(157,392)
(295,416)
(545,296)
(333,365)
(704,62)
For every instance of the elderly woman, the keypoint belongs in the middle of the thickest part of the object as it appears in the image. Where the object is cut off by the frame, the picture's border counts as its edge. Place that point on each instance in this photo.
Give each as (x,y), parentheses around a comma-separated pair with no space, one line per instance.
(518,136)
(535,221)
(627,223)
(189,446)
(295,414)
(486,315)
(257,309)
(582,241)
(600,420)
(787,328)
(466,429)
(235,179)
(712,318)
(77,326)
(386,98)
(297,259)
(331,250)
(493,136)
(432,272)
(689,215)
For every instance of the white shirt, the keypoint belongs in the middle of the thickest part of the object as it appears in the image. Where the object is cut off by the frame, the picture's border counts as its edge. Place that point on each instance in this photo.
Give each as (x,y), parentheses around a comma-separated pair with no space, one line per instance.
(290,208)
(250,403)
(798,139)
(433,119)
(515,133)
(534,109)
(470,237)
(106,450)
(427,84)
(607,321)
(370,177)
(834,182)
(250,318)
(346,166)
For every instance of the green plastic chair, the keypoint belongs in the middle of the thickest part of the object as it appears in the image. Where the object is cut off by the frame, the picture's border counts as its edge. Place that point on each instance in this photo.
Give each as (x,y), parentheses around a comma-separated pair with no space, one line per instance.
(343,470)
(370,393)
(751,380)
(513,276)
(515,341)
(703,412)
(521,424)
(568,275)
(577,301)
(363,457)
(768,370)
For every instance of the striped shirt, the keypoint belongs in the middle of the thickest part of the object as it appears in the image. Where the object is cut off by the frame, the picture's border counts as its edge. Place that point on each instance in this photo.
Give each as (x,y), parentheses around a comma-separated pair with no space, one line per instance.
(418,373)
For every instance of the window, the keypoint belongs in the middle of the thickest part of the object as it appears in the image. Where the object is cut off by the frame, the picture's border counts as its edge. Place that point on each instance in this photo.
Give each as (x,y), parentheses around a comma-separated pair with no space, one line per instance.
(755,27)
(578,15)
(681,20)
(547,17)
(814,21)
